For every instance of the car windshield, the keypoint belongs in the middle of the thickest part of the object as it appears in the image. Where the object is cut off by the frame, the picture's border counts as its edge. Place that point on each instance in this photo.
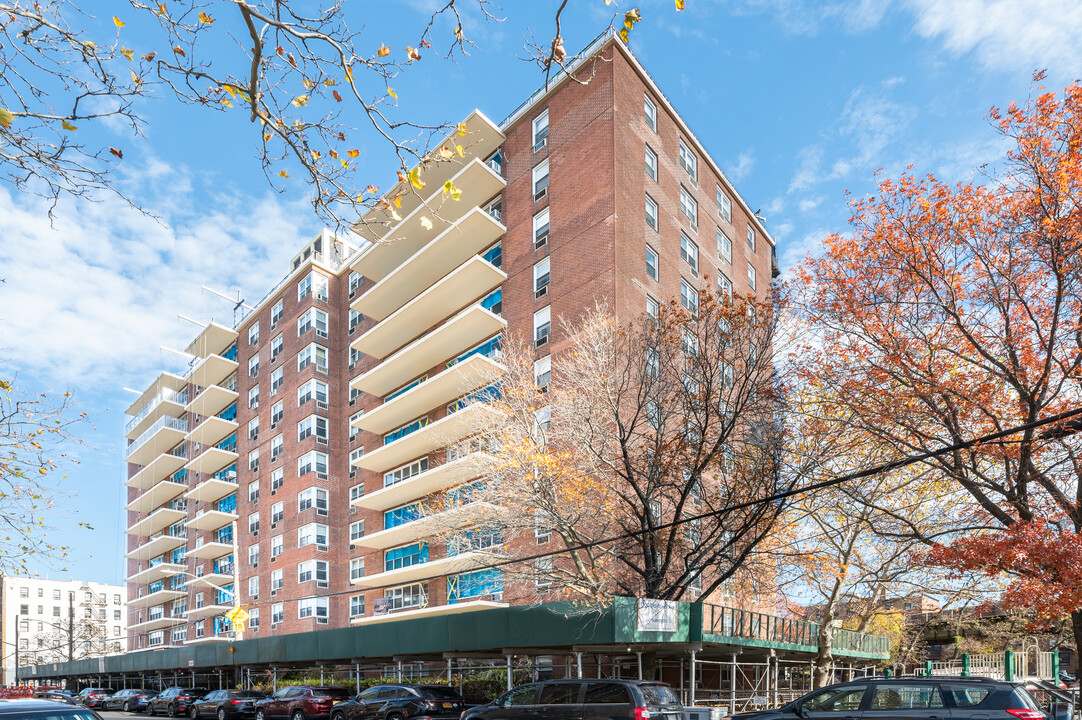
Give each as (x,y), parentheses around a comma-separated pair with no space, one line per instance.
(330,692)
(658,695)
(60,712)
(441,693)
(195,691)
(248,694)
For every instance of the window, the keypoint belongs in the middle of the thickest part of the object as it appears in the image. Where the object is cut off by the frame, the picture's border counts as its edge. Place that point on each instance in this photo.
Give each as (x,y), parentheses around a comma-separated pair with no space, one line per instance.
(541,278)
(313,425)
(312,462)
(651,212)
(313,354)
(313,317)
(312,497)
(543,573)
(56,594)
(356,569)
(253,491)
(253,366)
(356,530)
(322,286)
(313,607)
(649,112)
(277,512)
(540,180)
(355,356)
(356,606)
(310,570)
(24,592)
(725,246)
(253,460)
(353,429)
(253,428)
(304,287)
(355,280)
(253,586)
(253,554)
(276,346)
(751,238)
(542,527)
(651,164)
(905,697)
(277,378)
(357,491)
(542,372)
(751,276)
(277,446)
(312,389)
(689,253)
(689,162)
(689,208)
(540,131)
(278,410)
(652,307)
(725,206)
(277,478)
(354,393)
(354,455)
(355,319)
(540,229)
(393,477)
(651,263)
(541,326)
(276,312)
(725,286)
(253,397)
(253,522)
(277,614)
(253,334)
(312,533)
(689,297)
(277,546)
(253,619)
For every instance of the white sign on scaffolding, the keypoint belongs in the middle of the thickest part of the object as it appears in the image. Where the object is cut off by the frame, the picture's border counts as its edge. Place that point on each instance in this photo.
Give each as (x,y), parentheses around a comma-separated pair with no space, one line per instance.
(657,615)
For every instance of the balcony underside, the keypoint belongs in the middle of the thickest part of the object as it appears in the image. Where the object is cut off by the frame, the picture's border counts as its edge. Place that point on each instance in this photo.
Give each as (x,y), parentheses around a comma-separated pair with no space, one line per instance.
(161,441)
(165,381)
(211,490)
(433,480)
(210,550)
(433,568)
(212,430)
(211,580)
(213,340)
(208,611)
(165,407)
(157,624)
(212,370)
(155,522)
(437,523)
(154,548)
(211,520)
(211,460)
(437,611)
(433,436)
(156,496)
(153,574)
(156,598)
(159,468)
(211,401)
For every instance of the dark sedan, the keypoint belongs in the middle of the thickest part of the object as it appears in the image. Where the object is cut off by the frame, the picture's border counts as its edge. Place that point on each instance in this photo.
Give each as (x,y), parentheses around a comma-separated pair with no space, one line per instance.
(33,709)
(401,702)
(224,704)
(175,701)
(58,695)
(93,697)
(129,700)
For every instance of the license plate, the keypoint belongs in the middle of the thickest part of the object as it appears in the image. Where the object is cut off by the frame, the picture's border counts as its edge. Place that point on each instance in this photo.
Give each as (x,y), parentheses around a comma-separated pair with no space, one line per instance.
(446,706)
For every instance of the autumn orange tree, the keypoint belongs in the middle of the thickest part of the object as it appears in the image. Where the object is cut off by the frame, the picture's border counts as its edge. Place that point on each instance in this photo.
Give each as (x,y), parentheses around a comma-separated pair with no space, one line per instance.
(952,311)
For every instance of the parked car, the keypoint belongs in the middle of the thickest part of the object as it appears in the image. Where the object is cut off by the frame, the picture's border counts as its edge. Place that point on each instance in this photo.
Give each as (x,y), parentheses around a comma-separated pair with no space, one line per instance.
(300,703)
(401,702)
(583,700)
(175,701)
(223,704)
(901,698)
(57,695)
(129,700)
(93,697)
(33,708)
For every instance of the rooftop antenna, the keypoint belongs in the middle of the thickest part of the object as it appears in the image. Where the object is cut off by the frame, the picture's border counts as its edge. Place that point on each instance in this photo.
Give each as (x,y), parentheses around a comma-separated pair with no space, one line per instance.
(238,304)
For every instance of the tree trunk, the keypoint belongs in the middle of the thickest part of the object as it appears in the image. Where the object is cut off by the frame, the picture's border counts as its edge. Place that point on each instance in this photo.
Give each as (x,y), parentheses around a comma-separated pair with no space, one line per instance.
(1076,624)
(824,660)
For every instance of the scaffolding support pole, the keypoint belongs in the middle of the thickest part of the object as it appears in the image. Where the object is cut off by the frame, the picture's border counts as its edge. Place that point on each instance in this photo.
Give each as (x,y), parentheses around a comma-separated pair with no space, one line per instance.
(691,681)
(578,663)
(732,688)
(509,685)
(638,657)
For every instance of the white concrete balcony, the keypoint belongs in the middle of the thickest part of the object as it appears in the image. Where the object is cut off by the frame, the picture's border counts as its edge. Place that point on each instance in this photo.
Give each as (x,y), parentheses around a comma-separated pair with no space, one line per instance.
(468,329)
(433,568)
(482,138)
(162,436)
(210,550)
(159,623)
(164,381)
(468,236)
(473,373)
(212,370)
(475,513)
(213,340)
(208,611)
(211,400)
(155,522)
(211,460)
(158,469)
(156,546)
(156,496)
(212,430)
(468,282)
(153,574)
(167,402)
(208,639)
(211,489)
(211,520)
(212,580)
(431,611)
(432,480)
(159,597)
(433,436)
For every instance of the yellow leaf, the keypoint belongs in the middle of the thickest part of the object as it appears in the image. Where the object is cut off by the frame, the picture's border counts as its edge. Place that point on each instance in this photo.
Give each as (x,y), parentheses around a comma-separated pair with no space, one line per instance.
(334,154)
(383,51)
(136,79)
(118,22)
(231,91)
(456,194)
(283,174)
(126,52)
(426,223)
(315,155)
(68,126)
(308,84)
(328,82)
(395,216)
(372,189)
(266,136)
(680,5)
(398,202)
(448,186)
(205,19)
(392,93)
(415,178)
(349,75)
(344,164)
(446,152)
(300,101)
(460,151)
(226,102)
(162,8)
(353,153)
(461,127)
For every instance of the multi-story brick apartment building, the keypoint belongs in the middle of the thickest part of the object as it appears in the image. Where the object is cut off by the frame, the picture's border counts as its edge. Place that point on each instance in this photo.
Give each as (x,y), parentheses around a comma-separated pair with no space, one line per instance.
(286,467)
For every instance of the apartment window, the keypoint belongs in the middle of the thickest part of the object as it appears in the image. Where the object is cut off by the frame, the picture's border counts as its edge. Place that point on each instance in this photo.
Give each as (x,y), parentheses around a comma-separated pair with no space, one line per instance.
(725,206)
(253,397)
(356,530)
(277,613)
(56,594)
(540,180)
(399,474)
(253,491)
(277,478)
(276,312)
(540,131)
(253,619)
(304,287)
(253,334)
(312,389)
(313,607)
(725,246)
(689,208)
(277,445)
(313,354)
(312,462)
(689,253)
(313,425)
(353,429)
(253,428)
(316,282)
(312,533)
(313,317)
(690,344)
(543,573)
(276,346)
(542,372)
(542,325)
(541,278)
(651,213)
(357,491)
(310,570)
(277,512)
(542,528)
(540,229)
(277,547)
(356,606)
(751,276)
(653,309)
(253,586)
(355,356)
(278,411)
(725,286)
(649,111)
(689,297)
(354,320)
(651,263)
(24,592)
(277,379)
(356,569)
(253,460)
(651,163)
(355,280)
(312,498)
(355,455)
(751,238)
(253,366)
(354,393)
(253,554)
(543,418)
(253,522)
(689,162)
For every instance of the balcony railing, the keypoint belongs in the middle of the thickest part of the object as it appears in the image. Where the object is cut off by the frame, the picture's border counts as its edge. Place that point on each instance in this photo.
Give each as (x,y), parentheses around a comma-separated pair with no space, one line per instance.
(748,625)
(166,395)
(165,422)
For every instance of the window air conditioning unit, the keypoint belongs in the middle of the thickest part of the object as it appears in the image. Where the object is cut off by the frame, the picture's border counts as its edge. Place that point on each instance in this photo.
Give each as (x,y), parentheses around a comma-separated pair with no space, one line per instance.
(541,341)
(321,405)
(541,292)
(321,476)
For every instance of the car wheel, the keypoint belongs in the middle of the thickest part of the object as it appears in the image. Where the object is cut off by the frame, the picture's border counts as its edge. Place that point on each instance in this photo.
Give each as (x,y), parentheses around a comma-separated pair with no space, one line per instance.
(221,713)
(192,712)
(298,715)
(171,711)
(149,710)
(260,715)
(127,706)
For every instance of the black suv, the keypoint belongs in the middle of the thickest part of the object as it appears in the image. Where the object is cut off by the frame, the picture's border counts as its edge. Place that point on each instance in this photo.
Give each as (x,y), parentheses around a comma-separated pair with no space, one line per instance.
(910,698)
(175,701)
(583,700)
(401,702)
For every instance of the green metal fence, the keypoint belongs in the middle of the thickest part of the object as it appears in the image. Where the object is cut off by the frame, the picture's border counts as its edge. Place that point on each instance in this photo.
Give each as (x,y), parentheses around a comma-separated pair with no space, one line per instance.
(726,624)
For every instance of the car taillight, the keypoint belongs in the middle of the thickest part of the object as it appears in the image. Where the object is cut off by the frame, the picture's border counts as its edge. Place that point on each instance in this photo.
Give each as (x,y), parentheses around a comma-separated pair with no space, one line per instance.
(236,702)
(1026,714)
(642,713)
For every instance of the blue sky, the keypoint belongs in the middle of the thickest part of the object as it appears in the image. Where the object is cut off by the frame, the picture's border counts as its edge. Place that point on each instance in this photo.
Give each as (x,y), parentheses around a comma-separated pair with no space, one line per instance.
(798,102)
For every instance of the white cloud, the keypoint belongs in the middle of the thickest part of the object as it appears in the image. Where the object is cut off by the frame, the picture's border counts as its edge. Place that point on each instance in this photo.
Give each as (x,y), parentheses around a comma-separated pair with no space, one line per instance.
(807,172)
(1007,34)
(739,170)
(811,244)
(809,204)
